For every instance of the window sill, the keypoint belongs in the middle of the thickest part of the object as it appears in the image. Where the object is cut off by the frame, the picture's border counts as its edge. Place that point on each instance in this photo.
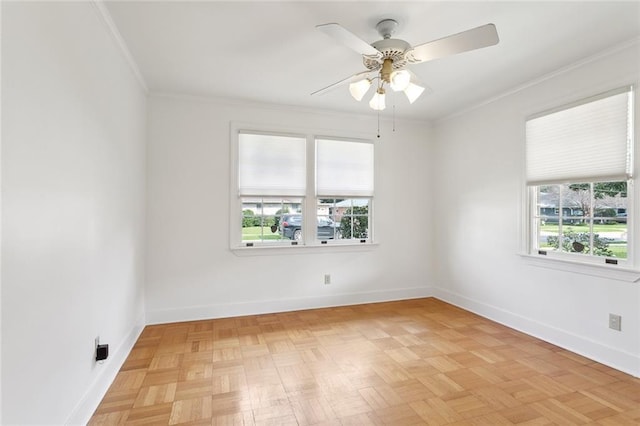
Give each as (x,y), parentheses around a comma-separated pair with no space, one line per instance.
(303,249)
(597,270)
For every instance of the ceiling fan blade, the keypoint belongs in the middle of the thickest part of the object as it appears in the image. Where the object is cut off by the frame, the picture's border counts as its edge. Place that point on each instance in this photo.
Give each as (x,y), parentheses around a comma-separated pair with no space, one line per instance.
(475,38)
(347,38)
(339,83)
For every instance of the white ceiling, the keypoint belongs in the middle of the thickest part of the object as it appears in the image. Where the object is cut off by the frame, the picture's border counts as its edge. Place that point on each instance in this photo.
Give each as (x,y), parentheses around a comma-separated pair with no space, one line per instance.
(271,52)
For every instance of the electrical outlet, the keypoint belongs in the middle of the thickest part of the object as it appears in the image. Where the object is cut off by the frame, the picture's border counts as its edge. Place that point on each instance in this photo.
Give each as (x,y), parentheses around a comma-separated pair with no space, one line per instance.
(615,322)
(327,279)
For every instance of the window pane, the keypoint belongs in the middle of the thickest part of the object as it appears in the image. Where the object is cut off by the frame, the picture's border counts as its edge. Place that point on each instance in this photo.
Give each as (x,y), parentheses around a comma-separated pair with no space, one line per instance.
(343,218)
(262,217)
(610,221)
(576,203)
(577,237)
(593,220)
(618,240)
(548,236)
(548,204)
(328,229)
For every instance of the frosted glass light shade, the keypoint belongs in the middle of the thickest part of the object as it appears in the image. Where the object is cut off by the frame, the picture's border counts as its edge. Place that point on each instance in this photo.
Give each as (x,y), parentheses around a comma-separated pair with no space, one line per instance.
(400,80)
(377,102)
(413,92)
(359,88)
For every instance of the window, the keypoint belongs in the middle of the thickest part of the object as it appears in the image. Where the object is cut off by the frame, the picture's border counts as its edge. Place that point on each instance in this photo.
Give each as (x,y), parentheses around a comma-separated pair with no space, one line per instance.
(344,186)
(578,170)
(300,190)
(271,182)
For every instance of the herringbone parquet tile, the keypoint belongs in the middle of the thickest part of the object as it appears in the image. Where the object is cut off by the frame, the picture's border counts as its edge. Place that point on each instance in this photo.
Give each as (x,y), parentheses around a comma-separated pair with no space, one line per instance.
(415,362)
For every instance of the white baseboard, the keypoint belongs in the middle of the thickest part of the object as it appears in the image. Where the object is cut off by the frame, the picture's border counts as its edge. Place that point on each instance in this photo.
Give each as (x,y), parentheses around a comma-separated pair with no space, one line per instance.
(96,391)
(612,357)
(227,310)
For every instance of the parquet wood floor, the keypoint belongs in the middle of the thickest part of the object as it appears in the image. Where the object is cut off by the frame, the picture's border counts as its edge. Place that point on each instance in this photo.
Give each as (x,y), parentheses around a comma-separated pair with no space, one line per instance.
(415,362)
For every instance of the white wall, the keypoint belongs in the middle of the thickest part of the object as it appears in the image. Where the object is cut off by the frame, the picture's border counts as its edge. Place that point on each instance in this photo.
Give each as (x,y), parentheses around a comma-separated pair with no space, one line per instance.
(480,162)
(191,271)
(0,219)
(73,188)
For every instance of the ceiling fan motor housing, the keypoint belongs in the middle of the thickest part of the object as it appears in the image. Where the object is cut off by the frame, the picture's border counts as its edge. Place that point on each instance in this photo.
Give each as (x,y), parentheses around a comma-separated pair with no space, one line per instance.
(391,48)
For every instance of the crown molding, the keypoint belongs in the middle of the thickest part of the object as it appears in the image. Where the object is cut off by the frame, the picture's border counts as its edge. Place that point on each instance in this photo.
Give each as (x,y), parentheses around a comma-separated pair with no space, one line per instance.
(122,45)
(247,103)
(575,65)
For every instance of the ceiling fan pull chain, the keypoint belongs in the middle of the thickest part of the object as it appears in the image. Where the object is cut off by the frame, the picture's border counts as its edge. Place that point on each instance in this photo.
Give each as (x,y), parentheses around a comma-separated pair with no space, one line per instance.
(378,124)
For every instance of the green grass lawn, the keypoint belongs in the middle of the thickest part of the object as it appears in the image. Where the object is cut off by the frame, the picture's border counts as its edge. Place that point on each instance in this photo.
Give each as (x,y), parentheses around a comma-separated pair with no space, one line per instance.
(259,233)
(619,250)
(613,227)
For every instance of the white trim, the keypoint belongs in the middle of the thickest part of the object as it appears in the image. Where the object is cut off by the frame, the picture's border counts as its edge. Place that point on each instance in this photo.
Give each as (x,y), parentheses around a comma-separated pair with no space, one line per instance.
(603,270)
(355,136)
(628,88)
(227,310)
(339,246)
(615,358)
(119,40)
(531,83)
(85,408)
(245,103)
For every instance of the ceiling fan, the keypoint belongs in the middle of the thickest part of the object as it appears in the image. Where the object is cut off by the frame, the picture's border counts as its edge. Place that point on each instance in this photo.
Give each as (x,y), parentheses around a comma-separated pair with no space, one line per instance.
(388,60)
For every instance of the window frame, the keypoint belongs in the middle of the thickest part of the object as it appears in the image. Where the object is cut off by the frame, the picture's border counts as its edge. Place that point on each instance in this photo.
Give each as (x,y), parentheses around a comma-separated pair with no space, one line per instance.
(624,269)
(310,241)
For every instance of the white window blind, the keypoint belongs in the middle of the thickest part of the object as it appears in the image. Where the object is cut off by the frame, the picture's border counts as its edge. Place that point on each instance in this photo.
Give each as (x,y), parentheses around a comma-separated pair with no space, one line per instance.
(271,165)
(586,142)
(344,168)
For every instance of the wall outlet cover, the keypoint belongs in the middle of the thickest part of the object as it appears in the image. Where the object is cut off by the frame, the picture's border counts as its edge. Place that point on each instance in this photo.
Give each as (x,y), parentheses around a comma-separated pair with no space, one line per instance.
(615,322)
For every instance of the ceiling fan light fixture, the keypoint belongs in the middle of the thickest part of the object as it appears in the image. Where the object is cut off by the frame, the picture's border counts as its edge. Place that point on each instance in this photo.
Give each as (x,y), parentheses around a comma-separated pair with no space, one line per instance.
(359,88)
(377,101)
(392,58)
(400,80)
(413,92)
